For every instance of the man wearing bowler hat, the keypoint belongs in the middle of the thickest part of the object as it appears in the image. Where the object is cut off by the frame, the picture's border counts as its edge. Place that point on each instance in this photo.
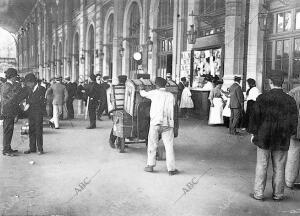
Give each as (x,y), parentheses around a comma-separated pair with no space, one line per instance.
(71,88)
(11,96)
(236,105)
(35,102)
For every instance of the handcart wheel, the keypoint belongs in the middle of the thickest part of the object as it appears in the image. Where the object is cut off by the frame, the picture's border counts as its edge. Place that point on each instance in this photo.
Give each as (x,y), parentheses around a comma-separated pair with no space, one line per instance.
(122,144)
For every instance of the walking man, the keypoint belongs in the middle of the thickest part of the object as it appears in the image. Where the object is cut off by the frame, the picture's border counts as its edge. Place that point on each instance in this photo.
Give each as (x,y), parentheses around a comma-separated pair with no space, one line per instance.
(273,122)
(236,105)
(11,96)
(293,158)
(35,114)
(161,124)
(103,97)
(60,96)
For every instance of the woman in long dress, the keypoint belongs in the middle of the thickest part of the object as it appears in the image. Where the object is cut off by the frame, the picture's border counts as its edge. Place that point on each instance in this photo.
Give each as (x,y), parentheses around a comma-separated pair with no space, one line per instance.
(186,102)
(216,105)
(251,95)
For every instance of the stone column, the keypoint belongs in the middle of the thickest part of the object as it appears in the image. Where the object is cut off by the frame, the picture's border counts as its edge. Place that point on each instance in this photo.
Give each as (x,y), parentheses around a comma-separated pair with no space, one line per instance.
(234,35)
(118,31)
(98,37)
(82,40)
(255,46)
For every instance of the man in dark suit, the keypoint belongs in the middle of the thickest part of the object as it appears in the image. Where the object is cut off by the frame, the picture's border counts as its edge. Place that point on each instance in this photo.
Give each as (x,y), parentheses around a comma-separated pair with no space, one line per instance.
(11,96)
(236,105)
(93,93)
(35,114)
(71,88)
(103,97)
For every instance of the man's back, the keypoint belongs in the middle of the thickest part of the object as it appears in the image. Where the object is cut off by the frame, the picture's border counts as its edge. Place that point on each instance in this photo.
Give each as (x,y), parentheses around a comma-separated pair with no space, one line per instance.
(162,107)
(274,120)
(59,93)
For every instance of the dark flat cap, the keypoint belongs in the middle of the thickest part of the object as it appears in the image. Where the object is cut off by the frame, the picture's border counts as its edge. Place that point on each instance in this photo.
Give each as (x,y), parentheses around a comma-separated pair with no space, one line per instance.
(160,82)
(67,78)
(58,77)
(30,78)
(10,73)
(105,78)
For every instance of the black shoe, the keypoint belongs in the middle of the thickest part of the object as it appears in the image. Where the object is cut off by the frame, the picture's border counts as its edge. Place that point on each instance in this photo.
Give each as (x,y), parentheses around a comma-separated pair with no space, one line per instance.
(91,127)
(29,151)
(278,199)
(40,152)
(51,124)
(258,199)
(173,172)
(14,150)
(10,154)
(56,128)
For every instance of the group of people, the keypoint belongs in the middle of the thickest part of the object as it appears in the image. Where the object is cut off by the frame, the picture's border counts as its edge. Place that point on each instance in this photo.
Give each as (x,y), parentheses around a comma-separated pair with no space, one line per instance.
(34,99)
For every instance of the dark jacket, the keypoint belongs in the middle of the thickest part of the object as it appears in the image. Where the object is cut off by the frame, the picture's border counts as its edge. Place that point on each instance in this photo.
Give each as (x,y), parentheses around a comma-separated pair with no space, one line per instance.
(93,91)
(36,102)
(103,96)
(236,96)
(274,120)
(71,88)
(180,90)
(11,96)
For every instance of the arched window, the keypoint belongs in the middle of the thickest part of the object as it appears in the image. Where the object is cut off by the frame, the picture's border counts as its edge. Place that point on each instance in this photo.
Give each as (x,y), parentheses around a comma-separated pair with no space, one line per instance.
(109,39)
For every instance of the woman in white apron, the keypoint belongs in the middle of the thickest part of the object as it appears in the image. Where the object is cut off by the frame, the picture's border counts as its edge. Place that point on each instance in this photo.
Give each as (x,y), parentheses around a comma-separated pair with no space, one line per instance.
(216,105)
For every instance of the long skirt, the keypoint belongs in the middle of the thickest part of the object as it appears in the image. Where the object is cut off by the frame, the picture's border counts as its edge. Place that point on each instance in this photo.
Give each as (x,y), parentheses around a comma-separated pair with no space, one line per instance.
(216,112)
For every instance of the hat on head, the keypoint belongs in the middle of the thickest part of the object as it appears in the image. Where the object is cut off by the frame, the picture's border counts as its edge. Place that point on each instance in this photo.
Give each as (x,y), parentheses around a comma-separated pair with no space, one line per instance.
(160,82)
(105,78)
(93,77)
(237,78)
(122,78)
(58,78)
(169,74)
(10,73)
(30,78)
(277,77)
(67,78)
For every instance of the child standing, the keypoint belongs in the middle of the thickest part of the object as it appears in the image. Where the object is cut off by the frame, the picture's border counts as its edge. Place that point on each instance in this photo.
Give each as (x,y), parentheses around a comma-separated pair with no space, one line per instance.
(186,102)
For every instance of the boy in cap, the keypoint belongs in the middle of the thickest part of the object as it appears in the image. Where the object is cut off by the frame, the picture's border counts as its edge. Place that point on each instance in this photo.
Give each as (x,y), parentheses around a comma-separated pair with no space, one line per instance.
(161,124)
(35,114)
(272,124)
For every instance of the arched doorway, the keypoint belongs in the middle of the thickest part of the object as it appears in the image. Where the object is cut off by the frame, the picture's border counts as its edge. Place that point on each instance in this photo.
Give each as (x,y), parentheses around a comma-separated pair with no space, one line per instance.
(59,60)
(91,47)
(133,32)
(108,40)
(8,47)
(76,56)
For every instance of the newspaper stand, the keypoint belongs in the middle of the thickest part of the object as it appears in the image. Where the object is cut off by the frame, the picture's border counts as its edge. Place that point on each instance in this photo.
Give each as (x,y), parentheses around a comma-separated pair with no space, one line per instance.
(131,124)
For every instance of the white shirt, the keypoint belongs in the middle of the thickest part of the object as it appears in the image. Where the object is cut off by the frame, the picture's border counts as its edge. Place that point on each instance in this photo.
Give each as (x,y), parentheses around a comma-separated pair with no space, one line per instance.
(162,107)
(35,88)
(253,94)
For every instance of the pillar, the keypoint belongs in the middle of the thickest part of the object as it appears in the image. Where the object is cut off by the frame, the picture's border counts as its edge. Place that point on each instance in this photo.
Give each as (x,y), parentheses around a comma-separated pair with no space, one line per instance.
(234,35)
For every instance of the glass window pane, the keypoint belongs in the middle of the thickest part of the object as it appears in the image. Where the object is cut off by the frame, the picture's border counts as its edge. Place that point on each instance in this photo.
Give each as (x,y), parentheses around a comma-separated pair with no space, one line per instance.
(296,61)
(220,4)
(280,22)
(287,21)
(285,58)
(209,6)
(278,49)
(297,25)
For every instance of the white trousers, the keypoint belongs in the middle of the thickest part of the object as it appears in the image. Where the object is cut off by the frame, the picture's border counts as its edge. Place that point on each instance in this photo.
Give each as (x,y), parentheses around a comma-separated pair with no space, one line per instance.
(57,111)
(167,135)
(293,163)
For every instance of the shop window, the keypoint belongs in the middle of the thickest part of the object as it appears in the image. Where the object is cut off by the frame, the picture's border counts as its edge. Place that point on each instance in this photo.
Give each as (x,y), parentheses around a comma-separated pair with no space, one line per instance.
(296,60)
